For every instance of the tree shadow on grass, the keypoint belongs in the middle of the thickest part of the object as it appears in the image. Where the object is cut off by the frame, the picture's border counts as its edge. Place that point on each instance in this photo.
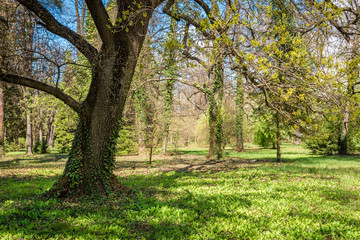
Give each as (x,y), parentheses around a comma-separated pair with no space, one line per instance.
(12,188)
(162,208)
(151,214)
(34,159)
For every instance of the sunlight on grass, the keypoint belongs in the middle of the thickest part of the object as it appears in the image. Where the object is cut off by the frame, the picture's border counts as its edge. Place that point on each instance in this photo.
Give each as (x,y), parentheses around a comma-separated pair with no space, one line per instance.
(305,197)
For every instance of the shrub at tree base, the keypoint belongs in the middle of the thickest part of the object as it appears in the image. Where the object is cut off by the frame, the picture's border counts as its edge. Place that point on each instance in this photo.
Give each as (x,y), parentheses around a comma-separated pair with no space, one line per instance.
(11,146)
(264,134)
(326,144)
(40,147)
(126,143)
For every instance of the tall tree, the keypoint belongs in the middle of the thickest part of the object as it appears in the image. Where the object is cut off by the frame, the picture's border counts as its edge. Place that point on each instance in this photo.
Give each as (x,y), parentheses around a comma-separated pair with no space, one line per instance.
(239,114)
(213,24)
(92,157)
(170,73)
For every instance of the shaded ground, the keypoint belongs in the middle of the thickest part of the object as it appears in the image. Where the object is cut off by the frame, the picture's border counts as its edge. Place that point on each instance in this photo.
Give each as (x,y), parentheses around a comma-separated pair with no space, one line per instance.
(244,196)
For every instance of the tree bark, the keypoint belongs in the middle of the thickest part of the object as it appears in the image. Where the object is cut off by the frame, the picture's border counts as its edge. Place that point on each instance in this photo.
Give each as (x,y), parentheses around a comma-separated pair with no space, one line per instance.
(171,72)
(215,117)
(278,136)
(343,138)
(150,156)
(29,139)
(2,126)
(40,125)
(89,169)
(33,134)
(51,131)
(141,138)
(239,114)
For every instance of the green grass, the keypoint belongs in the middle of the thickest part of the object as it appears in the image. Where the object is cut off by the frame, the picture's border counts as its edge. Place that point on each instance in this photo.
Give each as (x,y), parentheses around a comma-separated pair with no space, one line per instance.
(245,196)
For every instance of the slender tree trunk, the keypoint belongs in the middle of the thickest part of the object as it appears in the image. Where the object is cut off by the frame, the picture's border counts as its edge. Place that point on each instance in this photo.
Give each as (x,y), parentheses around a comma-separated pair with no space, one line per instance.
(3,47)
(2,125)
(33,134)
(140,129)
(278,136)
(239,114)
(29,139)
(40,125)
(52,136)
(150,156)
(78,25)
(27,30)
(51,131)
(82,21)
(343,139)
(17,137)
(171,72)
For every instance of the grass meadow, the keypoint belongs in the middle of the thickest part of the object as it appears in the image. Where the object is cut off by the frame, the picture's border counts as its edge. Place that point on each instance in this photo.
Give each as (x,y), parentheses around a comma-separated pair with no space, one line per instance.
(185,196)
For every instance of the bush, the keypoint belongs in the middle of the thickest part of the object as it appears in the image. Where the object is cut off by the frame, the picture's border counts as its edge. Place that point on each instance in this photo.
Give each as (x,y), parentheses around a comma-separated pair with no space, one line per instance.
(63,140)
(11,146)
(264,134)
(326,142)
(126,143)
(22,142)
(40,147)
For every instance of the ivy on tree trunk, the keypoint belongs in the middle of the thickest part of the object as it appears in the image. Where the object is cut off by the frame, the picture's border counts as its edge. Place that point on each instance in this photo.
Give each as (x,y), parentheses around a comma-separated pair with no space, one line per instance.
(239,114)
(89,169)
(215,96)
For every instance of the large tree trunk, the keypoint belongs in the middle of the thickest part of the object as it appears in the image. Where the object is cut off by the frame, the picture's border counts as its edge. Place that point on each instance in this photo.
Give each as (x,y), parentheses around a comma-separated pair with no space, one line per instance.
(89,169)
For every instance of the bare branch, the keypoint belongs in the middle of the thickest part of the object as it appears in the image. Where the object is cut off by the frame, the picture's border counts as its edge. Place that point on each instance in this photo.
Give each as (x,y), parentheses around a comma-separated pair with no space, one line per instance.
(52,25)
(56,92)
(179,16)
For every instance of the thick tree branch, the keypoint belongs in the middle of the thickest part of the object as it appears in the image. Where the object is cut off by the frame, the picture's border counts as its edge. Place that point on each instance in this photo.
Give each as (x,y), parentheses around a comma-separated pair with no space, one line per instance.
(56,92)
(102,21)
(52,25)
(179,16)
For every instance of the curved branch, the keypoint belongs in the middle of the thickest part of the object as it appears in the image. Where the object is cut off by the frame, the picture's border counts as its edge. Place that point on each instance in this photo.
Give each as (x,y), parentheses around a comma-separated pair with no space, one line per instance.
(52,25)
(180,80)
(56,92)
(102,21)
(179,16)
